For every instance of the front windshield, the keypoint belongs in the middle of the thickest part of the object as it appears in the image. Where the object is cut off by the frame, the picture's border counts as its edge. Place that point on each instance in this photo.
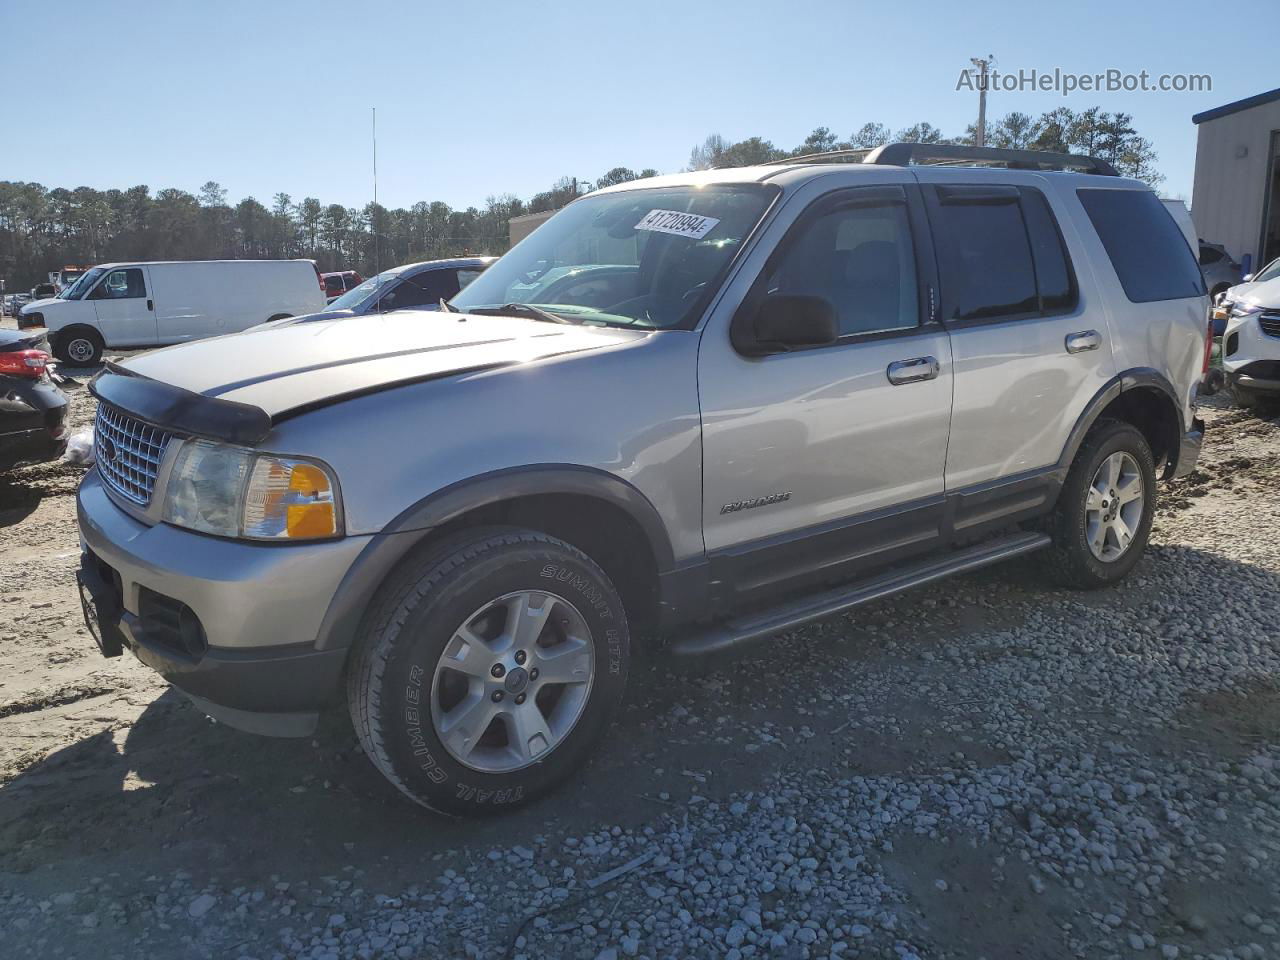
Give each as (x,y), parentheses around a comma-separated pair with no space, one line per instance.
(1269,272)
(645,258)
(356,296)
(77,290)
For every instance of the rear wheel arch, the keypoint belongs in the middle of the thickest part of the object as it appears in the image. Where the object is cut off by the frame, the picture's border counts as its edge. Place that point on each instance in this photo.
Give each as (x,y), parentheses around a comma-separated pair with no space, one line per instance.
(1141,397)
(596,512)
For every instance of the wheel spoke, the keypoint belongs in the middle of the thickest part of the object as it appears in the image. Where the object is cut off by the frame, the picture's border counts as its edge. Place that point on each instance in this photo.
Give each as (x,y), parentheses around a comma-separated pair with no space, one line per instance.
(567,662)
(467,653)
(1098,538)
(1112,468)
(1093,501)
(462,727)
(1123,534)
(1131,490)
(527,615)
(527,731)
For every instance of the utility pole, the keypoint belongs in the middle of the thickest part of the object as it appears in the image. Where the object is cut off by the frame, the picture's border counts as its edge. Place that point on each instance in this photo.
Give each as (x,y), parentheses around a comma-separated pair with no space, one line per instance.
(983,64)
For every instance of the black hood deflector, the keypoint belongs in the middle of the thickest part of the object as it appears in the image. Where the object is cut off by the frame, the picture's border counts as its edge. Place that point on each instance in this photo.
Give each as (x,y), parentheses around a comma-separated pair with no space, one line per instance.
(179,410)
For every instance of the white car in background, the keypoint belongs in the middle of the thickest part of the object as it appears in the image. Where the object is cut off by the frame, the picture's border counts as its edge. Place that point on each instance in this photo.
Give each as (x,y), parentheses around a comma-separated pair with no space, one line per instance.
(1251,339)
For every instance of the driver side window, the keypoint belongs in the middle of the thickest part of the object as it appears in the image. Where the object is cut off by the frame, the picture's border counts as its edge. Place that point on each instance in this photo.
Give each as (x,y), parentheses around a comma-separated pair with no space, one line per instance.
(124,284)
(860,258)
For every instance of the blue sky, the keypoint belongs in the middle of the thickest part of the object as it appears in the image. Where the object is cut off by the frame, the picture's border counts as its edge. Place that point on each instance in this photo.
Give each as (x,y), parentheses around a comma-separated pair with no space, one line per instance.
(482,98)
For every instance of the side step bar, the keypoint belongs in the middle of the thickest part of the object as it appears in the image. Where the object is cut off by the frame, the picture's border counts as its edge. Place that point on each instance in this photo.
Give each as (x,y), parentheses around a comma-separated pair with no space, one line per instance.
(795,613)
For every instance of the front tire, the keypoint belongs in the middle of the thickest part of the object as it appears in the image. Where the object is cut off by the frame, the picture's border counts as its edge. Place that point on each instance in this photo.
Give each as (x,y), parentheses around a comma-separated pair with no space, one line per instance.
(488,669)
(79,347)
(1102,521)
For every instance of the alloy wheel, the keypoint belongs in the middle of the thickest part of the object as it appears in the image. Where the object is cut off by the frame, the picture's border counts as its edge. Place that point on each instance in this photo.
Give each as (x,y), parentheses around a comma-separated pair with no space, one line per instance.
(512,682)
(1113,507)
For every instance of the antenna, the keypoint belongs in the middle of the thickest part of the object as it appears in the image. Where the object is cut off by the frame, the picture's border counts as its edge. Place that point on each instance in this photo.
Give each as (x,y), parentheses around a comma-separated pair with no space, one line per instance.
(377,259)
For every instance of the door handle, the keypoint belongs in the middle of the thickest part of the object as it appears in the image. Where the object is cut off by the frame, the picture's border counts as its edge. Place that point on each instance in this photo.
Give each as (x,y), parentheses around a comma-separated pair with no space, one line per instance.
(1084,340)
(913,370)
(150,305)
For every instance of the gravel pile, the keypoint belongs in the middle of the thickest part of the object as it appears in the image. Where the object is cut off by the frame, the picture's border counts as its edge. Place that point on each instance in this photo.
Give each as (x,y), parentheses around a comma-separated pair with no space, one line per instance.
(1094,776)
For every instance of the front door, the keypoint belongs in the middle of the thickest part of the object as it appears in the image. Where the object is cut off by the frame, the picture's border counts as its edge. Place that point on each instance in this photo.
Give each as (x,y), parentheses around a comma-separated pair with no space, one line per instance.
(126,310)
(826,461)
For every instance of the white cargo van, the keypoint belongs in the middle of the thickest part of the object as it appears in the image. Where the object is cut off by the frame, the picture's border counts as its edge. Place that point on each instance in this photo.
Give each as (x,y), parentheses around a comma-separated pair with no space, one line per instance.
(131,305)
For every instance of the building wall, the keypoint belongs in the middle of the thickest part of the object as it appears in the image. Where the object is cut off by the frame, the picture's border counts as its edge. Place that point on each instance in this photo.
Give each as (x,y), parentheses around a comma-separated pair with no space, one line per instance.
(521,227)
(1229,190)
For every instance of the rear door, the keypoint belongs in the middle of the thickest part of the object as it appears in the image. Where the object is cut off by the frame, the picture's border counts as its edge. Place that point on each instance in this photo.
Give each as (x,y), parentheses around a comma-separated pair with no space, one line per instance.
(125,305)
(1029,336)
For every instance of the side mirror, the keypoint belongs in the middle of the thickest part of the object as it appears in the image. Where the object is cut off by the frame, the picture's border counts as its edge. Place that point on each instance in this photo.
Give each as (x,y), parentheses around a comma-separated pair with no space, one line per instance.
(785,322)
(1246,278)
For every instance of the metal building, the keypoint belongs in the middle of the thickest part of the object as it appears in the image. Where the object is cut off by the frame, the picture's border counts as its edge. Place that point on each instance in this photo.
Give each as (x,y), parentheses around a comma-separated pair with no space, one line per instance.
(1236,196)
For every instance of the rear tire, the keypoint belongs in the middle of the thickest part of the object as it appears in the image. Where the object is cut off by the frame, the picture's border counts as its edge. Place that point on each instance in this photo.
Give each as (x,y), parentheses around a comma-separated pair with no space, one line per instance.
(487,670)
(1102,520)
(79,347)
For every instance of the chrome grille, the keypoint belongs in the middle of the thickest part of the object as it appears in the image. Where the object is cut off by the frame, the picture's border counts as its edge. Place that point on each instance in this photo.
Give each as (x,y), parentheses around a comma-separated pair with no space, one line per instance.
(1270,323)
(128,453)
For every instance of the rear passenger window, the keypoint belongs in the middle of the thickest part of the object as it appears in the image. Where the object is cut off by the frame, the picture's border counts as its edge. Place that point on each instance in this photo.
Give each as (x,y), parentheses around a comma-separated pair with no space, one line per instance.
(1148,251)
(983,253)
(1054,279)
(861,259)
(1000,254)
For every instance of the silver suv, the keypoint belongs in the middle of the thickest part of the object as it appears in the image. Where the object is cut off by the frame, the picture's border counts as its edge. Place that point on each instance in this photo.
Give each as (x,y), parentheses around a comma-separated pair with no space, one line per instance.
(764,396)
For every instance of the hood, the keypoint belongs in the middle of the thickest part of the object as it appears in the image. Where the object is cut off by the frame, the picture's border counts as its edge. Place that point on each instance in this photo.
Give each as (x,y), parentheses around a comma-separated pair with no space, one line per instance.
(1264,294)
(303,365)
(305,318)
(33,306)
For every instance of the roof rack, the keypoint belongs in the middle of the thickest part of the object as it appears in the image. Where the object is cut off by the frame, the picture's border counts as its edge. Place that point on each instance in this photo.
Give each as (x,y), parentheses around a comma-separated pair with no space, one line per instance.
(905,154)
(827,156)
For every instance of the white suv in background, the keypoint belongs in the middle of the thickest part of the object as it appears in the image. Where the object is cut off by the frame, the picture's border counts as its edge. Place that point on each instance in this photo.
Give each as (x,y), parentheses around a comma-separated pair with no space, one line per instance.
(1251,340)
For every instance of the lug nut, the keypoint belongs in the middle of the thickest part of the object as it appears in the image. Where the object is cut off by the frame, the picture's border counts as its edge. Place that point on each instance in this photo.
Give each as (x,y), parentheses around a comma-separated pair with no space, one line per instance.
(498,670)
(521,656)
(519,698)
(533,674)
(497,696)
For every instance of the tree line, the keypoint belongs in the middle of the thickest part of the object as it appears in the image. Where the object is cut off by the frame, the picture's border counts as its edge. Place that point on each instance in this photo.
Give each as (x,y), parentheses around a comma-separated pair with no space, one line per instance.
(42,229)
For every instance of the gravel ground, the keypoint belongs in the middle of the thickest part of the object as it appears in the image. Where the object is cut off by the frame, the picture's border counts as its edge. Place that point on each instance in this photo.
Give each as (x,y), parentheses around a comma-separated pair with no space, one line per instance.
(988,768)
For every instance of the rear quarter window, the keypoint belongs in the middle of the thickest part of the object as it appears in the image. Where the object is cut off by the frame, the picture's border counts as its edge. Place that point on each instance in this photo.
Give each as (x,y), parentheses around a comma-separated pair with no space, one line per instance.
(1147,249)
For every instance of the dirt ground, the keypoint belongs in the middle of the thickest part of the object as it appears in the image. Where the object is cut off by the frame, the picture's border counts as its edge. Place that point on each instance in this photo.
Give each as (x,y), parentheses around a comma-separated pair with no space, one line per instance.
(111,782)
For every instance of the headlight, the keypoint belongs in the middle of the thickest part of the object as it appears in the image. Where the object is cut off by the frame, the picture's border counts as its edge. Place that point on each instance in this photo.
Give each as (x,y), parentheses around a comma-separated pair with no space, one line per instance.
(1244,310)
(234,492)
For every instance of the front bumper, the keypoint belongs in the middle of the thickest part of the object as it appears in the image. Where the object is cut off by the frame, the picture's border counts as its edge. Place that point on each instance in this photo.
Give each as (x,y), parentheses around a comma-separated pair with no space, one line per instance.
(1246,344)
(231,624)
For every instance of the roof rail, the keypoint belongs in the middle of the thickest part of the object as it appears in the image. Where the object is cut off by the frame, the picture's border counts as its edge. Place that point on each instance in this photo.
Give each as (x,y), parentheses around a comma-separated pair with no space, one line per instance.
(904,154)
(827,156)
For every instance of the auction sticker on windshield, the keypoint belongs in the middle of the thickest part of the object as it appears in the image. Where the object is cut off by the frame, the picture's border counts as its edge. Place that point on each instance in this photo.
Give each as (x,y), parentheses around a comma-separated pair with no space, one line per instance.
(681,224)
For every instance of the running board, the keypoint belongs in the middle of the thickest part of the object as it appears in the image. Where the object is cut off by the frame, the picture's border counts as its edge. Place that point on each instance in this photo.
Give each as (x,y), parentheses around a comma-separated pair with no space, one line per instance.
(795,613)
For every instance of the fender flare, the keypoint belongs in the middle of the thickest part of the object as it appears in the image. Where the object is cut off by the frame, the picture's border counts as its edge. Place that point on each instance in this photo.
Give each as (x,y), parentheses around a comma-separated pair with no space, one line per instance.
(415,524)
(1135,378)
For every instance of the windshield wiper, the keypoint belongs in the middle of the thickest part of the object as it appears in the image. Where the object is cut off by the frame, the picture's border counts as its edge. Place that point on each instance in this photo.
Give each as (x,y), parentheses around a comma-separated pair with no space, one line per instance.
(522,309)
